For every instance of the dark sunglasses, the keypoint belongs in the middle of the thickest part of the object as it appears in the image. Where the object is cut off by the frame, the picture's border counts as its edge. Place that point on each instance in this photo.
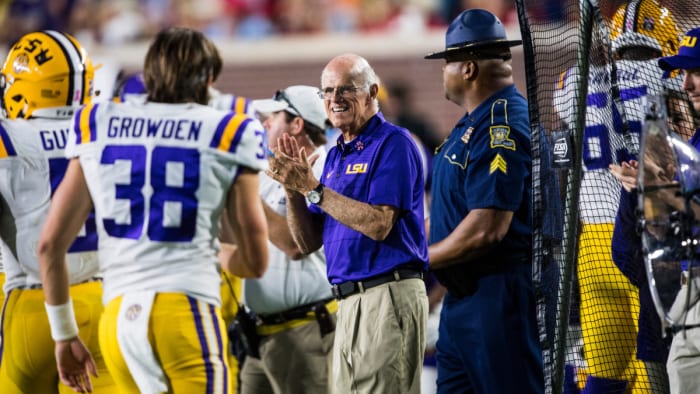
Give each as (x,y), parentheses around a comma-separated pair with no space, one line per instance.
(281,95)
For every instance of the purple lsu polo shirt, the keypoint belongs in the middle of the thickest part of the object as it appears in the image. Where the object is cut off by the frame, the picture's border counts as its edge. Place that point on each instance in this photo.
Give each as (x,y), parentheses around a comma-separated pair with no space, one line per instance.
(382,166)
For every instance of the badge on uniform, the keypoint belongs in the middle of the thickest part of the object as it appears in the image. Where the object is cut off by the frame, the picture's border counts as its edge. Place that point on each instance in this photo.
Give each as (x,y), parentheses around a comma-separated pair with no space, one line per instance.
(467,135)
(498,163)
(499,137)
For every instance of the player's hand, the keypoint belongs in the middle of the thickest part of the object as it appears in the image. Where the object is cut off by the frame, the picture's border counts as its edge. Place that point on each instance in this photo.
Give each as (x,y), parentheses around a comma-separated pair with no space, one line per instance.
(626,173)
(75,364)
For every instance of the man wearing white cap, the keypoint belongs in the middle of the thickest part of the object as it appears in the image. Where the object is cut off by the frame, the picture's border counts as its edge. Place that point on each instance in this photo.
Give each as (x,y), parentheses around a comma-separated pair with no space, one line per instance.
(293,300)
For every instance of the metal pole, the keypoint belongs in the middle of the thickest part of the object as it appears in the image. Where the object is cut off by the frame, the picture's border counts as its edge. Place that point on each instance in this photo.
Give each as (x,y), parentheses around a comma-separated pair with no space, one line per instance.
(573,183)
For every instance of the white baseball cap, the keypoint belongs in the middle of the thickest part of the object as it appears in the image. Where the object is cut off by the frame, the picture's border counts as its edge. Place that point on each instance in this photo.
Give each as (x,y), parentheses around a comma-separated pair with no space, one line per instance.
(300,100)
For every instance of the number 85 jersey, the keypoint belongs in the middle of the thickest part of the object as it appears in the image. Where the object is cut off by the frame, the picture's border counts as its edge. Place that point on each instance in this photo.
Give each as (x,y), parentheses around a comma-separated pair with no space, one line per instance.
(603,138)
(159,176)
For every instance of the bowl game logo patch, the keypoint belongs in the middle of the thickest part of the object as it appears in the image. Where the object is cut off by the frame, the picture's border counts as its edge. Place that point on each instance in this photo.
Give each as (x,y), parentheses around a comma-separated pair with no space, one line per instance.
(133,312)
(499,137)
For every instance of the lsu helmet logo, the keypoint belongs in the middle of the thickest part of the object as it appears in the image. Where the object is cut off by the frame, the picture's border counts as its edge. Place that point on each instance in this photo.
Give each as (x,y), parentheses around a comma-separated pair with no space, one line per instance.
(21,64)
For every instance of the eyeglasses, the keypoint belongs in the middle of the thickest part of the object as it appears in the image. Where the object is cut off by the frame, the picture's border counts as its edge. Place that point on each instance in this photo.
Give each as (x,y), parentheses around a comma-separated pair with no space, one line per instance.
(346,92)
(281,95)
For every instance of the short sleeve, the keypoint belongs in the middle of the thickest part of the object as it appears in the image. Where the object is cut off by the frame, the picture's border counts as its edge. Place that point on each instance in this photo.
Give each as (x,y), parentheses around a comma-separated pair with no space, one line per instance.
(242,137)
(498,168)
(84,129)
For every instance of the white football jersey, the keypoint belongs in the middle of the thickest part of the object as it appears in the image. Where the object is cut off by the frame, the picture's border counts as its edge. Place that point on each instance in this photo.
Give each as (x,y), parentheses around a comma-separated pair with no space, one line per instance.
(159,175)
(230,102)
(32,164)
(222,101)
(603,139)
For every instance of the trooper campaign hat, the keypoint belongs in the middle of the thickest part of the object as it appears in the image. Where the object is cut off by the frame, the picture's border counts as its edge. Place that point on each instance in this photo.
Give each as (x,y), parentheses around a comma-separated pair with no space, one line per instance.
(688,56)
(473,30)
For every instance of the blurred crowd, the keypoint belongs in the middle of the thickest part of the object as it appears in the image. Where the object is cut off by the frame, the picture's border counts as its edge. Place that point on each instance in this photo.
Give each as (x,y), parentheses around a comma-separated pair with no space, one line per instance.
(115,22)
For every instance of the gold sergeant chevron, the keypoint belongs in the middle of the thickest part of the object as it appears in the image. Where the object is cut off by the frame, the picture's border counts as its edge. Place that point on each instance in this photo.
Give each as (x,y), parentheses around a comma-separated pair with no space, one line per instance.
(498,163)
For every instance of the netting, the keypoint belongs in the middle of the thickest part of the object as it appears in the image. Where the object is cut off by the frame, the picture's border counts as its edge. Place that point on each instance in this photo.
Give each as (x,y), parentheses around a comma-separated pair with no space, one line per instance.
(591,66)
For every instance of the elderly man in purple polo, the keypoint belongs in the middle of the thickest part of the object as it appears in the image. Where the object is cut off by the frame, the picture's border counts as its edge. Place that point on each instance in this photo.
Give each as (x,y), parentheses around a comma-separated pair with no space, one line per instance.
(367,212)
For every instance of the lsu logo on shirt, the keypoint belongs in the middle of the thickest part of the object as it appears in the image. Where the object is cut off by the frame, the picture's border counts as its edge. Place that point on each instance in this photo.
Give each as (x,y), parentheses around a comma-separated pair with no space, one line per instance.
(499,137)
(357,168)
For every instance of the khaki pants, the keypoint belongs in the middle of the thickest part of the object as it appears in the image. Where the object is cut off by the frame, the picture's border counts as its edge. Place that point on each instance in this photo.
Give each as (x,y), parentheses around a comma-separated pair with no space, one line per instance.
(684,356)
(380,340)
(293,361)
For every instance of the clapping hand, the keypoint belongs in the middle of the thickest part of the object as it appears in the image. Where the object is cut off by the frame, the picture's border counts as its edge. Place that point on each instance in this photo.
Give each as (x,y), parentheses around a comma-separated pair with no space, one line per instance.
(291,167)
(626,173)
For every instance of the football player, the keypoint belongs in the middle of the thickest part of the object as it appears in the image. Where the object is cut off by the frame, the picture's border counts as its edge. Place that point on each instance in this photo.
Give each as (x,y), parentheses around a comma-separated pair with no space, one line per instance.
(46,77)
(640,32)
(159,175)
(131,87)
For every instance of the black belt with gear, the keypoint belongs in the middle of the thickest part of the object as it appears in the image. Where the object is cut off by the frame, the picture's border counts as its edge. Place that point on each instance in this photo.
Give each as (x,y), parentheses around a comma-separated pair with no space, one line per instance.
(346,289)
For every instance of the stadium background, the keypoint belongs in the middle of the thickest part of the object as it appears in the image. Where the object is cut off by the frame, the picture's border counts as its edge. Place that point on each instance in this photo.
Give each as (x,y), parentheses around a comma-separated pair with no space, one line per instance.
(263,50)
(268,44)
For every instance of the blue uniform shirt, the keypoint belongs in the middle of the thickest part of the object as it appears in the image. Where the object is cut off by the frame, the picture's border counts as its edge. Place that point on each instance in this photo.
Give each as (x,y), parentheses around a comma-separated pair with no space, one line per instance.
(382,166)
(486,163)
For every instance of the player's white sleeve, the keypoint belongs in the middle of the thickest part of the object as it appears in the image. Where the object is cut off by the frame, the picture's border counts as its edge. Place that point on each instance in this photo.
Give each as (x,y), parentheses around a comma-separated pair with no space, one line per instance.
(564,95)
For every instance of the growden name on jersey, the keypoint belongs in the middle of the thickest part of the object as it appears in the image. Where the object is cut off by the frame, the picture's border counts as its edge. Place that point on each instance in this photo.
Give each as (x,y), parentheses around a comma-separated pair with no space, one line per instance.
(127,127)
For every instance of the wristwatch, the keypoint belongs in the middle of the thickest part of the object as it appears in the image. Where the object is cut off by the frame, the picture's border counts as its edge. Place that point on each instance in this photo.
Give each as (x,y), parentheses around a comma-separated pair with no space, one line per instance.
(315,195)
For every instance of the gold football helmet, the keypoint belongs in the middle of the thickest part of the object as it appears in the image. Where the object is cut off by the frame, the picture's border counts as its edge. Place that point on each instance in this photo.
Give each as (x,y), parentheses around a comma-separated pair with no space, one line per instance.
(45,69)
(644,23)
